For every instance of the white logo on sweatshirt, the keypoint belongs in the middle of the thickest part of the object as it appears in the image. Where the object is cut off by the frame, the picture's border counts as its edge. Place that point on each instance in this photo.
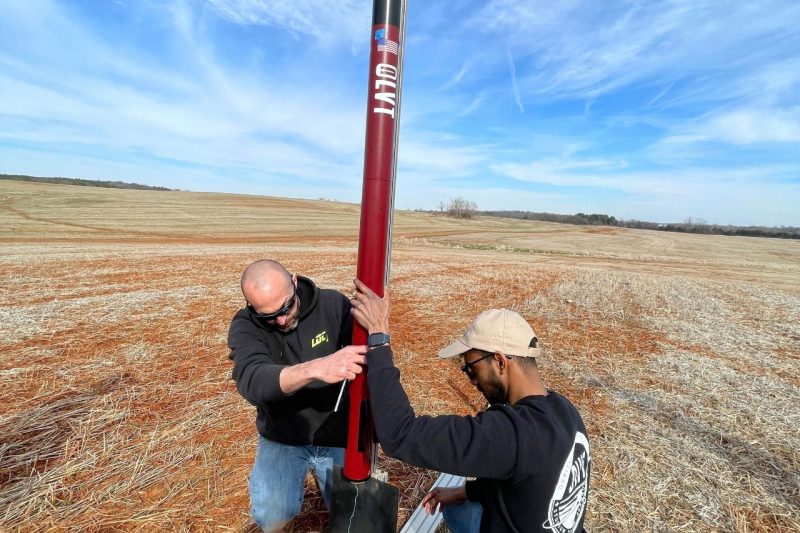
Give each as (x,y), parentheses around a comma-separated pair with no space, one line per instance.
(569,498)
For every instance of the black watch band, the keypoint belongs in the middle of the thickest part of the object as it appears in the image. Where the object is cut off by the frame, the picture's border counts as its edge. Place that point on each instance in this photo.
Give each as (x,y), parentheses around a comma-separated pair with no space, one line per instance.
(377,339)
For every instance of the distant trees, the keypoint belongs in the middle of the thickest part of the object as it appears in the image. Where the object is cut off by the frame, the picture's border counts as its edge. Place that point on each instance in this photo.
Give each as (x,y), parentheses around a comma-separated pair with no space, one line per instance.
(692,221)
(596,219)
(582,219)
(689,225)
(694,225)
(460,208)
(78,181)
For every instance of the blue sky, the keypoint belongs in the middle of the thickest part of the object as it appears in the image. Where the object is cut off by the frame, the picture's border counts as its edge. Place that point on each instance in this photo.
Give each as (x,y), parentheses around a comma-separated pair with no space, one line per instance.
(654,110)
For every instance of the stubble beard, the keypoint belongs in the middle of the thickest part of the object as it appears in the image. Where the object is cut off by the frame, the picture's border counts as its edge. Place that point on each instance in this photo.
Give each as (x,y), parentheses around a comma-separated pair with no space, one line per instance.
(494,391)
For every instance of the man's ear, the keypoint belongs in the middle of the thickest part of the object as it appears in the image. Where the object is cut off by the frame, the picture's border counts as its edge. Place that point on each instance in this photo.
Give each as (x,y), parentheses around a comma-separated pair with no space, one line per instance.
(502,362)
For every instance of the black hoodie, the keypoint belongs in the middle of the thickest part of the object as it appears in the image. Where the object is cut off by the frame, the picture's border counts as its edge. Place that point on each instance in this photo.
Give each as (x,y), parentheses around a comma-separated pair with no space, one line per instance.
(531,459)
(259,354)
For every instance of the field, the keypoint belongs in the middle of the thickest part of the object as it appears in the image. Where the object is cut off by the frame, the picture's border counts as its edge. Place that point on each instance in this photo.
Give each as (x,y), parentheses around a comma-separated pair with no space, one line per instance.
(682,352)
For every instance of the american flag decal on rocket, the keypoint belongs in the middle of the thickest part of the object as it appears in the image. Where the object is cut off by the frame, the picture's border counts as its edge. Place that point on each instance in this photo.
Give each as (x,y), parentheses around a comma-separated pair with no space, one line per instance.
(384,44)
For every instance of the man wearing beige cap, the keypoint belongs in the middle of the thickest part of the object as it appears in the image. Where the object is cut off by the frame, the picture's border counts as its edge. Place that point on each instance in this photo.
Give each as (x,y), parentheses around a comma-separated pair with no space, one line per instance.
(528,451)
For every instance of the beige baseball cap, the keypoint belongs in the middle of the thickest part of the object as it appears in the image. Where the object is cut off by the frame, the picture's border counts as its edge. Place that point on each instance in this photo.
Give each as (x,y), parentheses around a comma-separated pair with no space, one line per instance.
(496,330)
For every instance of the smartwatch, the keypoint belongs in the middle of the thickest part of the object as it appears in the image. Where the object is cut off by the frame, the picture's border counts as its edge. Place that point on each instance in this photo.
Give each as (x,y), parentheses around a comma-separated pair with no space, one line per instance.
(377,339)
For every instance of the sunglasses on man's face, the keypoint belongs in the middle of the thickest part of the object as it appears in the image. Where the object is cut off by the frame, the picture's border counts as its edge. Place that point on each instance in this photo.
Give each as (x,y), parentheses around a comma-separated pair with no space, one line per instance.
(283,311)
(467,368)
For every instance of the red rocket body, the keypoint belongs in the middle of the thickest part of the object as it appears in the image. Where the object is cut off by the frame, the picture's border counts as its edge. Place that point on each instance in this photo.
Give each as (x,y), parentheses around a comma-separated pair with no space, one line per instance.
(377,202)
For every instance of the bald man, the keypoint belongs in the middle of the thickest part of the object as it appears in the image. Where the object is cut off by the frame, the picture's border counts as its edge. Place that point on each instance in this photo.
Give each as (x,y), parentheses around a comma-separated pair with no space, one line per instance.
(290,350)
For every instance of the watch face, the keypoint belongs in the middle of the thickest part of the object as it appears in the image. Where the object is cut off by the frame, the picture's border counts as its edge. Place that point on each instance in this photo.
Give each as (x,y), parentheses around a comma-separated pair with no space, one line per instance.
(377,339)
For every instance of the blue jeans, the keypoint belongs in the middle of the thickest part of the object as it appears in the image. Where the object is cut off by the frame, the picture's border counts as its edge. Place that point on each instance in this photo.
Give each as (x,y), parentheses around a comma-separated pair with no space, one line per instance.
(276,481)
(463,517)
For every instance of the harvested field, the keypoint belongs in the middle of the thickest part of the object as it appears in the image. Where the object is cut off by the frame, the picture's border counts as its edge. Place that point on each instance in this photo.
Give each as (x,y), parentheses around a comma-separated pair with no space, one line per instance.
(682,352)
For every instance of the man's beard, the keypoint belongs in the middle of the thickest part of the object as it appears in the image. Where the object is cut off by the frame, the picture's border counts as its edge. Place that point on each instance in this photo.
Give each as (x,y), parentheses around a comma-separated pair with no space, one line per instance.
(295,320)
(494,391)
(290,327)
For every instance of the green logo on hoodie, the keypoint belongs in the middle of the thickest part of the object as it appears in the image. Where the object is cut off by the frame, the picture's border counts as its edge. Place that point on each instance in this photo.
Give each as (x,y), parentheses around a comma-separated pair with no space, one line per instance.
(319,339)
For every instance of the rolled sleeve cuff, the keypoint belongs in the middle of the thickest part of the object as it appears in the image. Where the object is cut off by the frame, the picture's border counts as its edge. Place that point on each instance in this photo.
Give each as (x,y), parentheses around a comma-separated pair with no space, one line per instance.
(271,378)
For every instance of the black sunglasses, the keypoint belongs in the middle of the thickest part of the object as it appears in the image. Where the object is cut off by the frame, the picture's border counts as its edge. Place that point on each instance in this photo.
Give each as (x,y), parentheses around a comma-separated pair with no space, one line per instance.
(467,368)
(287,307)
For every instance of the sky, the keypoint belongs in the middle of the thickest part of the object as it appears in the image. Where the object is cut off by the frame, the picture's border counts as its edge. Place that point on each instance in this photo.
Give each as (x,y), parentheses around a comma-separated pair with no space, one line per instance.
(649,110)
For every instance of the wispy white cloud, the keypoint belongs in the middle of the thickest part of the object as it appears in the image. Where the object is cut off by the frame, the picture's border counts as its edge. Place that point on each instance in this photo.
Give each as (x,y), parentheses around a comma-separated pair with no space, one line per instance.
(741,127)
(208,113)
(514,85)
(456,78)
(473,105)
(444,157)
(584,49)
(618,175)
(661,94)
(749,126)
(318,21)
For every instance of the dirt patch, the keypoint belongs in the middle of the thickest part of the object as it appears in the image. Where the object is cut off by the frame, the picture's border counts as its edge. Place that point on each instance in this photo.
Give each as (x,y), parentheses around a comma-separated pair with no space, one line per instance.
(603,231)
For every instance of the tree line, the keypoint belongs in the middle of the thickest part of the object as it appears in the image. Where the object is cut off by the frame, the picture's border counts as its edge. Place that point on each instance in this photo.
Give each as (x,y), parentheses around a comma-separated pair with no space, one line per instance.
(87,183)
(460,208)
(688,226)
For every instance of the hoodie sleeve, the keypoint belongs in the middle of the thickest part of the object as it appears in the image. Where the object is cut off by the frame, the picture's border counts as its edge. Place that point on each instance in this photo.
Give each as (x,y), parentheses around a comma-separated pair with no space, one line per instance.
(461,445)
(256,367)
(478,490)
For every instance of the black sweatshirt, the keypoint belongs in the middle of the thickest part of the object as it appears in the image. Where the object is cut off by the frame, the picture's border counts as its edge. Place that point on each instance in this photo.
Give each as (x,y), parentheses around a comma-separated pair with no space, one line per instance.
(259,354)
(531,458)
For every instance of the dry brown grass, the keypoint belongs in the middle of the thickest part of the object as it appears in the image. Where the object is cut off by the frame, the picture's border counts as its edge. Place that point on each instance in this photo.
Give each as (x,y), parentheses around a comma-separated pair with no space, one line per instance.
(117,412)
